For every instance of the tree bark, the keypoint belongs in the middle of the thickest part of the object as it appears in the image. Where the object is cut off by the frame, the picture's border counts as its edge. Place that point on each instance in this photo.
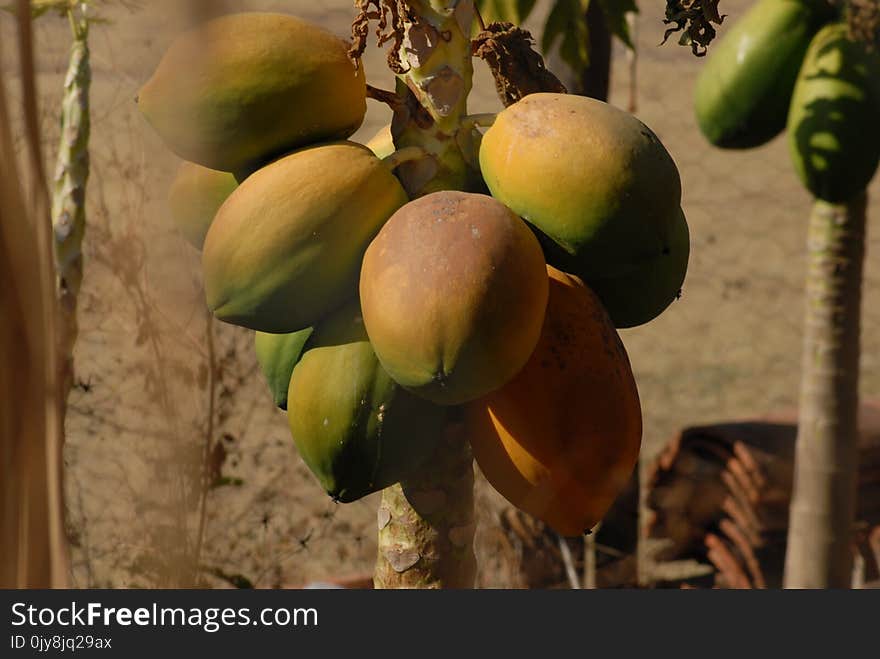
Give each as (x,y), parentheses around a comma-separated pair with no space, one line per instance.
(826,458)
(426,524)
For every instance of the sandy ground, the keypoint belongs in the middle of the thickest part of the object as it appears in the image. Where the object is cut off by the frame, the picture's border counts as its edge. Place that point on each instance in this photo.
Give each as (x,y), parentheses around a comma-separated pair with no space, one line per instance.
(141,420)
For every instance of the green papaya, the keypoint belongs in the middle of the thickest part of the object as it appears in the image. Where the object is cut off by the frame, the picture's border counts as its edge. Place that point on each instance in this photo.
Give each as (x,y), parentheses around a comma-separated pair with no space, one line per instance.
(356,429)
(286,247)
(743,90)
(277,354)
(659,281)
(243,88)
(599,188)
(195,196)
(833,128)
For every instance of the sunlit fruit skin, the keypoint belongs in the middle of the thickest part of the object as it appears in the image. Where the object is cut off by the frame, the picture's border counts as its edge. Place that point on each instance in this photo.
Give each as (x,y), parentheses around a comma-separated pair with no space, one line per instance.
(601,190)
(195,196)
(744,89)
(242,88)
(453,291)
(641,294)
(833,128)
(277,355)
(560,440)
(382,143)
(286,247)
(356,429)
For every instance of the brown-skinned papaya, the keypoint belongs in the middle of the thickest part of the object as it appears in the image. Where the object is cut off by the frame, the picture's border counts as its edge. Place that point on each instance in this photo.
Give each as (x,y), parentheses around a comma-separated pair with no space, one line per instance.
(195,196)
(453,291)
(285,249)
(560,440)
(243,88)
(600,189)
(355,428)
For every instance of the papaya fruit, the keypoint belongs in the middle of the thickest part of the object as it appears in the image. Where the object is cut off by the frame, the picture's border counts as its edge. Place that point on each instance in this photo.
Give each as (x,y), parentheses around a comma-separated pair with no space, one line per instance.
(195,196)
(600,189)
(833,130)
(356,429)
(453,292)
(658,280)
(562,438)
(744,89)
(382,143)
(277,354)
(286,247)
(244,88)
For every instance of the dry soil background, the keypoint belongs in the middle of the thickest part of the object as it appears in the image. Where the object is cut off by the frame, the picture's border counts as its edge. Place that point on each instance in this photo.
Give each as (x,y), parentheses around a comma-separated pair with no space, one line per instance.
(141,418)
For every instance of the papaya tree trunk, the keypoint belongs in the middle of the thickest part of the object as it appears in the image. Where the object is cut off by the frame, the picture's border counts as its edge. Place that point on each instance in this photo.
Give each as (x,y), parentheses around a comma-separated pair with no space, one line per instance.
(818,554)
(69,192)
(426,524)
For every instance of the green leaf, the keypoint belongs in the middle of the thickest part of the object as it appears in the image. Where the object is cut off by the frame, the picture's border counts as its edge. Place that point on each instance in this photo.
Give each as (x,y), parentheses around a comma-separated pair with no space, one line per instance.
(513,11)
(615,12)
(566,23)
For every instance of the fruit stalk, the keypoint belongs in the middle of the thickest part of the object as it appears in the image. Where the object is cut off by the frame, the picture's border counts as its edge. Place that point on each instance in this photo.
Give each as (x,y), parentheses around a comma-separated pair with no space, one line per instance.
(426,524)
(69,190)
(826,460)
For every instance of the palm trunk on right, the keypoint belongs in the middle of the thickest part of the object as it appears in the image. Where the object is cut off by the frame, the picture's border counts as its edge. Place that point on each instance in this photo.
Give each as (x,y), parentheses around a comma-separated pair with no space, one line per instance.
(826,463)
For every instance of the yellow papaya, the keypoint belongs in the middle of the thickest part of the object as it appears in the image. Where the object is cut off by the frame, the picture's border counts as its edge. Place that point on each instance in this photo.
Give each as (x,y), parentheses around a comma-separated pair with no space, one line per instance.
(453,291)
(195,196)
(562,438)
(286,247)
(243,88)
(599,187)
(356,429)
(277,354)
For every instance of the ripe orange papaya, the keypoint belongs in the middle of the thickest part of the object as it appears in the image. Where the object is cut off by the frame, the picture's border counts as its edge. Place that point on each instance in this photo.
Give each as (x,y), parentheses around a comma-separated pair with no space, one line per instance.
(453,291)
(560,440)
(286,247)
(598,186)
(356,429)
(243,88)
(195,196)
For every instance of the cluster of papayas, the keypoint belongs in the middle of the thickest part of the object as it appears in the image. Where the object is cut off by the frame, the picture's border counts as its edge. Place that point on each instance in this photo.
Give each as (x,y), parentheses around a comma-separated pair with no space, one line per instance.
(791,65)
(375,315)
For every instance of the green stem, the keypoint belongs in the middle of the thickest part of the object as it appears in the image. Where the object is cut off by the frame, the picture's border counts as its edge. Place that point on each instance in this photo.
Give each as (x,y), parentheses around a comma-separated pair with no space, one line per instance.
(826,462)
(69,191)
(435,88)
